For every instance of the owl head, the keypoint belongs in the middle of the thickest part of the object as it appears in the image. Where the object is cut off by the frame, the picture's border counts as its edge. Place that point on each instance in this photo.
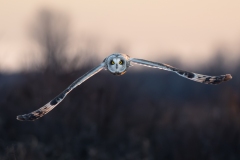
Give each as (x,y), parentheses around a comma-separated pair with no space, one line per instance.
(117,63)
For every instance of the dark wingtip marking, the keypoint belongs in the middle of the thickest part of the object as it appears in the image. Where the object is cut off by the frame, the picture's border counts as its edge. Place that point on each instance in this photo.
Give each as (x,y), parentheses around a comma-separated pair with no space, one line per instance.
(181,72)
(54,102)
(27,117)
(190,75)
(20,118)
(227,77)
(186,74)
(207,80)
(59,97)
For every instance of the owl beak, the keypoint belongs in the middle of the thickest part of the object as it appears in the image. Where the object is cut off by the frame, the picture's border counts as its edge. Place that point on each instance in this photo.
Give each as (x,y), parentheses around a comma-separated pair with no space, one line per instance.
(116,66)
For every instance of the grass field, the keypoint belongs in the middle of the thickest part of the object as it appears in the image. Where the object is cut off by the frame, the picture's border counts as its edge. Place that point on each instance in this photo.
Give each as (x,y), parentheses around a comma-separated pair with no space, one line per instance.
(145,114)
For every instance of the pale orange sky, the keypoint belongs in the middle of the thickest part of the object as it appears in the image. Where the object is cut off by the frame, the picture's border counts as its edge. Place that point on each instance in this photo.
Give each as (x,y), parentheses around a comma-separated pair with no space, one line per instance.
(187,30)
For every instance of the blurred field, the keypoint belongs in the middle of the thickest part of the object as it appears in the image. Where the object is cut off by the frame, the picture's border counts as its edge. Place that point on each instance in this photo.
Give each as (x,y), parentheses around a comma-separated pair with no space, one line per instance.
(145,114)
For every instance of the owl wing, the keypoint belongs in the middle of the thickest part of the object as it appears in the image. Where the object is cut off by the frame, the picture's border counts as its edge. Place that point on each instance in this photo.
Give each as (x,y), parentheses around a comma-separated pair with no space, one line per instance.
(54,102)
(189,75)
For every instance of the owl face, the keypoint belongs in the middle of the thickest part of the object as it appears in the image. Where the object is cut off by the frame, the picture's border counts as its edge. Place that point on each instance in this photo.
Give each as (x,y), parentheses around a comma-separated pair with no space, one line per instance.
(117,64)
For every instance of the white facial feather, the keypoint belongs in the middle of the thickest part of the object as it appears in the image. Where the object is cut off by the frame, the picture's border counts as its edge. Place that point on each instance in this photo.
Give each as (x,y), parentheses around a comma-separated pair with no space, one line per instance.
(117,63)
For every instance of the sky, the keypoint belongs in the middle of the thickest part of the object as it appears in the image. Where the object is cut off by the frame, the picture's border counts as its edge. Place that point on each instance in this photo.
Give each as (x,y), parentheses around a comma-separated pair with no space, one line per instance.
(188,30)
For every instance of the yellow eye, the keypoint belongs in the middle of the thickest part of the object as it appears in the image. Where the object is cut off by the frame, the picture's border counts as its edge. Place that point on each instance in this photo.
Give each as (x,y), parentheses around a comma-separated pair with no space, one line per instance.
(112,62)
(121,62)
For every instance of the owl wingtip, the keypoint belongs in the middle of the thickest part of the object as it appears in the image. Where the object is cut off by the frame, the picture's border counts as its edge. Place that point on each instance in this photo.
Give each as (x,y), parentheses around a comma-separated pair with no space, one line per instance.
(27,117)
(227,77)
(20,118)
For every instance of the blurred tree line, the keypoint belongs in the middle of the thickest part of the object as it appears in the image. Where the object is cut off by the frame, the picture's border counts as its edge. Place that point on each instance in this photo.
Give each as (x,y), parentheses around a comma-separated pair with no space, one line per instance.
(147,114)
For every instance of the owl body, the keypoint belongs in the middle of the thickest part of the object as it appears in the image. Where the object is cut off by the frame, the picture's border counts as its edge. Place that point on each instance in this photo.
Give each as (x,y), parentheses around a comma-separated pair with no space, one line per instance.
(117,64)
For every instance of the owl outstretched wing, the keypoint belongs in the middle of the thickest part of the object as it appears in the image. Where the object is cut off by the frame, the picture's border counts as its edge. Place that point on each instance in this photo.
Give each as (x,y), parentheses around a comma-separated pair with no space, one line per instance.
(189,75)
(54,102)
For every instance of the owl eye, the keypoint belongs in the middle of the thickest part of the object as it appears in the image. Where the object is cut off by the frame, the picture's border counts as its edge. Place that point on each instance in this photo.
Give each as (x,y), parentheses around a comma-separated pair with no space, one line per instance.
(121,62)
(112,62)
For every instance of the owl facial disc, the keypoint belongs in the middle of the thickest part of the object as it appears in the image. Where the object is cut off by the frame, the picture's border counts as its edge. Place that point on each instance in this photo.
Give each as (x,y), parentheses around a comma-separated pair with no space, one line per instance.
(117,63)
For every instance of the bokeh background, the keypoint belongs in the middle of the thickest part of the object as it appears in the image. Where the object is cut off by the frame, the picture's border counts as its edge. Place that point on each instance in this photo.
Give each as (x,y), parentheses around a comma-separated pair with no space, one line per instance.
(147,113)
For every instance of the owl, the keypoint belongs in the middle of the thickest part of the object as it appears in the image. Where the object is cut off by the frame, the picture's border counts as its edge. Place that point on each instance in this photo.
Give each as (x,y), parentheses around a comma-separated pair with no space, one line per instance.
(117,64)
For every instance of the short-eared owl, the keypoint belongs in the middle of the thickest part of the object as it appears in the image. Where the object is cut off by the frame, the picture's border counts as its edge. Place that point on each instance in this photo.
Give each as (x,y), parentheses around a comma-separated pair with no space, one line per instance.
(118,64)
